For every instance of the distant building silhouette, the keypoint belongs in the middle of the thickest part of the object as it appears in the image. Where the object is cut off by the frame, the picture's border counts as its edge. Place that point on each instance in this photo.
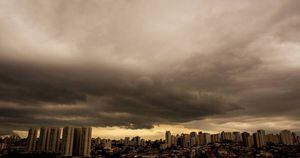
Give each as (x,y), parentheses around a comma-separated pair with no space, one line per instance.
(32,139)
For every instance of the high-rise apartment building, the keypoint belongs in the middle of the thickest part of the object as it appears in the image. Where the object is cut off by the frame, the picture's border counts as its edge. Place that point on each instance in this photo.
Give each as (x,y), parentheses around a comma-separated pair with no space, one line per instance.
(259,138)
(272,138)
(207,138)
(201,138)
(186,140)
(168,138)
(77,141)
(286,137)
(32,139)
(247,139)
(215,138)
(237,137)
(86,137)
(44,139)
(262,137)
(173,140)
(67,141)
(54,140)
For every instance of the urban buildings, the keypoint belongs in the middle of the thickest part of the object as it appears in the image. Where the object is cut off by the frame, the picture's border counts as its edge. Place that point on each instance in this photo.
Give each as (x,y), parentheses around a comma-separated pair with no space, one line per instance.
(43,139)
(32,139)
(67,141)
(75,141)
(168,138)
(54,142)
(85,144)
(286,137)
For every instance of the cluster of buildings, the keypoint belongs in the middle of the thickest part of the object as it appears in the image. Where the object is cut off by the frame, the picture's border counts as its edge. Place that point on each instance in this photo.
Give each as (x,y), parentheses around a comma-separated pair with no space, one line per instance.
(258,139)
(197,144)
(69,141)
(107,143)
(77,142)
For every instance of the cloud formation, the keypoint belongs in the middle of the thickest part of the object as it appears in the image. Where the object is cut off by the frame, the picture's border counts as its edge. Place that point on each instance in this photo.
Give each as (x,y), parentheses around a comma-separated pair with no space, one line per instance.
(137,64)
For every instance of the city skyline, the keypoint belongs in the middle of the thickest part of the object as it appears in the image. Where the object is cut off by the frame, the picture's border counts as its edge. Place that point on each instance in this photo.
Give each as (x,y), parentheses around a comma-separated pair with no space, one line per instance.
(128,68)
(77,142)
(162,134)
(55,134)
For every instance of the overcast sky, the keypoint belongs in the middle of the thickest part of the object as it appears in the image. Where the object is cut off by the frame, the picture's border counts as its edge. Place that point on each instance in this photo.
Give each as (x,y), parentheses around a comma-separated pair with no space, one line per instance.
(139,67)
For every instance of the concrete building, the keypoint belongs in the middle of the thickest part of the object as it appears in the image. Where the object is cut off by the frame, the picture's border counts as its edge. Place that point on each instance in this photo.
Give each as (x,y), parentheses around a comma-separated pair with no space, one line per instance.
(32,139)
(226,136)
(272,138)
(286,137)
(44,139)
(173,140)
(77,142)
(67,141)
(262,135)
(54,140)
(168,138)
(86,138)
(247,139)
(215,138)
(207,138)
(237,137)
(201,138)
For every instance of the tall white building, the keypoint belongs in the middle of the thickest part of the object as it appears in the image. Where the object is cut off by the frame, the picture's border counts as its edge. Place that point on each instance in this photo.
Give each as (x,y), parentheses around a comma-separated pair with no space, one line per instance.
(67,141)
(86,137)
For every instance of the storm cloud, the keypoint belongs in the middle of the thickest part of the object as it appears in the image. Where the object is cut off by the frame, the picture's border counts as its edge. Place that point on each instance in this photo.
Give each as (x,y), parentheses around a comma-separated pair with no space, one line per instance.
(136,64)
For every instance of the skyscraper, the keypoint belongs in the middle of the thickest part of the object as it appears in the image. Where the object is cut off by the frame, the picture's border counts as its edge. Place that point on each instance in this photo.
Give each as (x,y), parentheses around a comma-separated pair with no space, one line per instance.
(207,138)
(86,137)
(43,144)
(262,137)
(186,140)
(173,140)
(226,136)
(245,136)
(194,138)
(237,137)
(77,141)
(286,137)
(32,139)
(272,138)
(259,138)
(168,138)
(250,141)
(201,138)
(54,139)
(67,141)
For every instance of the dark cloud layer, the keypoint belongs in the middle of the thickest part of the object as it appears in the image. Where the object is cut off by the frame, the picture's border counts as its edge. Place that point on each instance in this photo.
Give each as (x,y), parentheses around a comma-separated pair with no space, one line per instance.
(136,64)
